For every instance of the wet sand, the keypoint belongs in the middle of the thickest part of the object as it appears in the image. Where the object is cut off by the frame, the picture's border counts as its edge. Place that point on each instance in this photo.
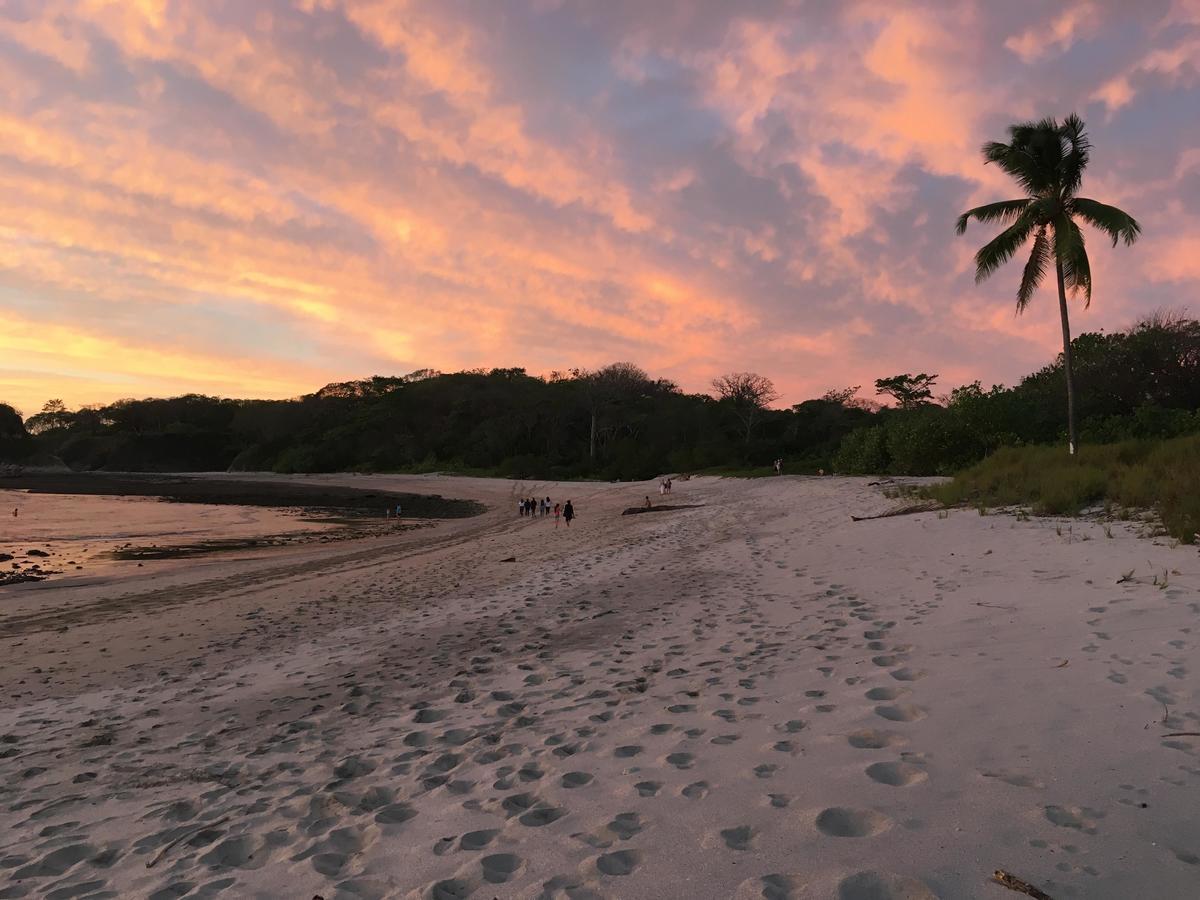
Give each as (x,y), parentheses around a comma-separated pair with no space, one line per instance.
(755,697)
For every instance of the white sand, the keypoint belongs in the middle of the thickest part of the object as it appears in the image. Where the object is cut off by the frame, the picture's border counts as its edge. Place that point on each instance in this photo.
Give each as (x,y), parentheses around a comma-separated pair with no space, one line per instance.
(758,698)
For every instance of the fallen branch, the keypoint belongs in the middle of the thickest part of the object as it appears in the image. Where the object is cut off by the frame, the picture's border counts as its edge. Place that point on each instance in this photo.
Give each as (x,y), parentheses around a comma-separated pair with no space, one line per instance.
(187,834)
(636,510)
(1013,883)
(1183,734)
(928,506)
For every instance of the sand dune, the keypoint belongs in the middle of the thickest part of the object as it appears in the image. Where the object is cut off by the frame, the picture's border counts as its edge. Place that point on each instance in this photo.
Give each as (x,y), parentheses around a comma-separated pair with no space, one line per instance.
(755,697)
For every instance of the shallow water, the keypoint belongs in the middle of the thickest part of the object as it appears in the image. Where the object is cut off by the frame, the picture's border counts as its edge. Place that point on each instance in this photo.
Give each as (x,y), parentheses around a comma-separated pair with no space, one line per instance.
(83,530)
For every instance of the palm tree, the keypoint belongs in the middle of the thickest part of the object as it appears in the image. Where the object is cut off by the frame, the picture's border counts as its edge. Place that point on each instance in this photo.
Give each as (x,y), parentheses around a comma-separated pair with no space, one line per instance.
(1047,160)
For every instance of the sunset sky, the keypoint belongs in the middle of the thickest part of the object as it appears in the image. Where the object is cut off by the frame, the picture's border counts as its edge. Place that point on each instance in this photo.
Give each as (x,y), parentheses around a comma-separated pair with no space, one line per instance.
(256,198)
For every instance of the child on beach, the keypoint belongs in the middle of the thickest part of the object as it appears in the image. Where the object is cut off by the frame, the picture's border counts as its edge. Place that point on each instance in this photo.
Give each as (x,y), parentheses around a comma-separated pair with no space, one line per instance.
(557,511)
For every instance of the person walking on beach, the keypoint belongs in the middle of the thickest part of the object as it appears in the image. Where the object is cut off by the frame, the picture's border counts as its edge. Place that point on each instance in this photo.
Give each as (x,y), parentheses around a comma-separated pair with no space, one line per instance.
(557,513)
(568,513)
(546,511)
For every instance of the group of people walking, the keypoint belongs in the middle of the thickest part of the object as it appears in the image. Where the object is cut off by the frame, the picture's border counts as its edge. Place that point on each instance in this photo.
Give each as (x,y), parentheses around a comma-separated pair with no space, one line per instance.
(664,488)
(535,507)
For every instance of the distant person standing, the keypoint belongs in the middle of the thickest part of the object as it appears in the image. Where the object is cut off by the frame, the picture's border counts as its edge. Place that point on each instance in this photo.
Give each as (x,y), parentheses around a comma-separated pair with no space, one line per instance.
(546,511)
(399,511)
(520,507)
(568,513)
(557,513)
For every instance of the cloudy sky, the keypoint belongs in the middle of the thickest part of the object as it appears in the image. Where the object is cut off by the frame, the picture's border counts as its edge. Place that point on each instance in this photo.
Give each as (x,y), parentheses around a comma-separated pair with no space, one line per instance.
(256,198)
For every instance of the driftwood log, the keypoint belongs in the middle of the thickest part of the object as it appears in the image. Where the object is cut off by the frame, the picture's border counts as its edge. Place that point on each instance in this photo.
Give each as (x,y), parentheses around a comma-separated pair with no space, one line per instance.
(637,510)
(924,506)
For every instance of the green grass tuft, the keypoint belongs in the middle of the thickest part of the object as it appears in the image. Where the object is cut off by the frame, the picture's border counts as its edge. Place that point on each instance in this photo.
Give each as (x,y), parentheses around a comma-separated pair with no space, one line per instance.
(1163,476)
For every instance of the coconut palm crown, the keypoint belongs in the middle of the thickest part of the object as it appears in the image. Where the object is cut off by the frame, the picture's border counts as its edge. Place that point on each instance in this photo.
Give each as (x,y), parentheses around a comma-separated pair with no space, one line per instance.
(1047,160)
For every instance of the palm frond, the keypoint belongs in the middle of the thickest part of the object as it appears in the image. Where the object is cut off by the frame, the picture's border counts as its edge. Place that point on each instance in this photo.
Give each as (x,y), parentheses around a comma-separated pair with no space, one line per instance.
(1017,162)
(1078,149)
(1002,211)
(1114,222)
(1001,248)
(1044,209)
(1071,250)
(1035,269)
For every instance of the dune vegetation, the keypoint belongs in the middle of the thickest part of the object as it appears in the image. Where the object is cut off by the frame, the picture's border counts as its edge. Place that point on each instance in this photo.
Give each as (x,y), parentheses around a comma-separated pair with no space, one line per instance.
(1122,478)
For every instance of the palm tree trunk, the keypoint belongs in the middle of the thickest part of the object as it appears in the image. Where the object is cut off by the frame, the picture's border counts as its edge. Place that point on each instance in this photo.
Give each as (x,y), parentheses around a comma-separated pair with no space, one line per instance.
(1067,369)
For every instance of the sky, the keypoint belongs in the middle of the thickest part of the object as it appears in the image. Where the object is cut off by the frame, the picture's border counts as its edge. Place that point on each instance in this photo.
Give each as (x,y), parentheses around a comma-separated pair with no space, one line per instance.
(256,199)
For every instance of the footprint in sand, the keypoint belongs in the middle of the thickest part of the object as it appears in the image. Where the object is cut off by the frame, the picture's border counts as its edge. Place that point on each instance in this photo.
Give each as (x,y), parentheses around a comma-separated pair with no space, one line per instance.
(622,862)
(501,867)
(242,852)
(841,821)
(477,840)
(1079,818)
(576,779)
(543,815)
(625,825)
(738,838)
(395,814)
(697,790)
(883,886)
(681,760)
(907,674)
(449,889)
(900,712)
(1016,780)
(648,788)
(870,739)
(895,774)
(885,693)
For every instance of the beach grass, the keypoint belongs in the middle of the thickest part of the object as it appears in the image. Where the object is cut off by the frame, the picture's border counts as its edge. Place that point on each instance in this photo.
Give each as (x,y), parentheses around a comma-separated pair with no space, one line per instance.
(1158,475)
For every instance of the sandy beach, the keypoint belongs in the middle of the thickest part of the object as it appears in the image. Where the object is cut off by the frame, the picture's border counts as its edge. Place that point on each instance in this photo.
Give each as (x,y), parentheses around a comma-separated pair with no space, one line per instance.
(754,697)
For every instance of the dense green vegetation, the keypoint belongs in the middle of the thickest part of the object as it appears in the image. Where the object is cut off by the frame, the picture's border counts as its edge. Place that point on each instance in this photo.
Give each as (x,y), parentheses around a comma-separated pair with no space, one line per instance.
(1140,474)
(618,422)
(613,423)
(1142,383)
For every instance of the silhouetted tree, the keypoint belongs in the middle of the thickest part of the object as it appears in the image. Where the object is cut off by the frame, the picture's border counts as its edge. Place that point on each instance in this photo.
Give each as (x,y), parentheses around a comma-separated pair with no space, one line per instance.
(910,391)
(1047,160)
(747,394)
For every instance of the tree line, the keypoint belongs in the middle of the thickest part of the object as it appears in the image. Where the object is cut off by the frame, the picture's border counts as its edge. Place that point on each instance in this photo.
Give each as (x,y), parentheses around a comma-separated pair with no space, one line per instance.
(618,422)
